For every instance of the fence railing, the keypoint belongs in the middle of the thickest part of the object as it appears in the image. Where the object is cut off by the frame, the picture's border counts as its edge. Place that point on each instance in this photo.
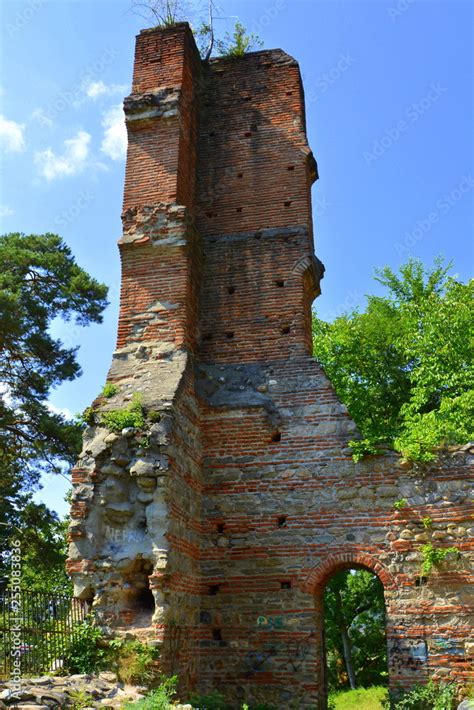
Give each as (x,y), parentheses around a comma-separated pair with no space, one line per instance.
(36,630)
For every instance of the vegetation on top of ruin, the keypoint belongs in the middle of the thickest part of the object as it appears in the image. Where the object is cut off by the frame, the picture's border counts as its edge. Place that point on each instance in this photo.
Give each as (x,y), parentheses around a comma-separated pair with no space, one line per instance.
(109,390)
(238,42)
(133,415)
(404,367)
(164,13)
(130,416)
(169,13)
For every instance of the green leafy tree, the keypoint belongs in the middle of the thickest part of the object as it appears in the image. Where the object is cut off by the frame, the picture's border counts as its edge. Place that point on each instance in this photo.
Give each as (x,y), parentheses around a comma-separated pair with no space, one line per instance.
(404,367)
(43,538)
(39,282)
(354,613)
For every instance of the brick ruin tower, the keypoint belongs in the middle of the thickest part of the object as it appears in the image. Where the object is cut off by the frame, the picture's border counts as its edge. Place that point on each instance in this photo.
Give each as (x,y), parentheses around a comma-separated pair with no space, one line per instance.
(213,525)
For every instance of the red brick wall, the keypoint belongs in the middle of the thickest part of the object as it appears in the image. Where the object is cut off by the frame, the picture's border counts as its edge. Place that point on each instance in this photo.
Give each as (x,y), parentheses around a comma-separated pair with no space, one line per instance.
(159,59)
(160,252)
(161,158)
(254,162)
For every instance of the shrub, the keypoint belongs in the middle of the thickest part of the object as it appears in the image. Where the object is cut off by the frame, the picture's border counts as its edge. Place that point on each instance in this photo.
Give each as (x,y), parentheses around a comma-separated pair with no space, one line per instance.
(212,701)
(134,662)
(131,416)
(400,503)
(159,699)
(238,43)
(109,389)
(144,442)
(80,699)
(432,696)
(434,556)
(361,448)
(85,654)
(87,417)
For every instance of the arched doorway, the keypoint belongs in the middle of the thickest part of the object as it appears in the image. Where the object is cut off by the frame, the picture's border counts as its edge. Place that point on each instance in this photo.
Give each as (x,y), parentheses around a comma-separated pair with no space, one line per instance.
(316,583)
(355,645)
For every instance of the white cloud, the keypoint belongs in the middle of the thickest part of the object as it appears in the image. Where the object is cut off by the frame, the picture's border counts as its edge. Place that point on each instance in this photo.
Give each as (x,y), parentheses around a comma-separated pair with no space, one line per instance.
(71,162)
(114,143)
(5,392)
(59,410)
(93,89)
(11,135)
(5,211)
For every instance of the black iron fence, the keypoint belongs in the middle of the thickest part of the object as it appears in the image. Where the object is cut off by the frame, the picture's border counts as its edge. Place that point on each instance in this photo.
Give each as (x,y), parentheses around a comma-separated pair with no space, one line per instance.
(36,630)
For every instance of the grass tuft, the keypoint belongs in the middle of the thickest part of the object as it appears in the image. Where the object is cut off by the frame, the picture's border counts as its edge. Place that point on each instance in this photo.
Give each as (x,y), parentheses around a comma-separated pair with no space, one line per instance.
(362,698)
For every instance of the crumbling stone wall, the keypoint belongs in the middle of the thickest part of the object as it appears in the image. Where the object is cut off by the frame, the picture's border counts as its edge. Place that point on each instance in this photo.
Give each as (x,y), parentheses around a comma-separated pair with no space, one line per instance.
(213,527)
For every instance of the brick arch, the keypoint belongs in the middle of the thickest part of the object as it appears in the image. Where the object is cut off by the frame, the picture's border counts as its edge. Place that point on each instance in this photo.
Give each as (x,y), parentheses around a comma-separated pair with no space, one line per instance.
(319,575)
(302,265)
(311,271)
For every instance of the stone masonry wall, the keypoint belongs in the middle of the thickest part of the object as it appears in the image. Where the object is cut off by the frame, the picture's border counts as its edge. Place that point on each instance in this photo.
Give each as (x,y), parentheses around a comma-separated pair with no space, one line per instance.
(213,527)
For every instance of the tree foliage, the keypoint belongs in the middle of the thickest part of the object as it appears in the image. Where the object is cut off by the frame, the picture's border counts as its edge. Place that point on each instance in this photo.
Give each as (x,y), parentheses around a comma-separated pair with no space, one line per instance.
(43,547)
(404,367)
(39,282)
(354,613)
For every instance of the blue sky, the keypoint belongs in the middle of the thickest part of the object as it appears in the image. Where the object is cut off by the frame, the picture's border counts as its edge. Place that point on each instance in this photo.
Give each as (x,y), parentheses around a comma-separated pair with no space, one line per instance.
(389,97)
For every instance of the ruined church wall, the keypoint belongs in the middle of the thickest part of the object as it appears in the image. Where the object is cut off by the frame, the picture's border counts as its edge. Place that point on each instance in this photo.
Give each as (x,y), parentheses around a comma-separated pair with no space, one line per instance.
(238,498)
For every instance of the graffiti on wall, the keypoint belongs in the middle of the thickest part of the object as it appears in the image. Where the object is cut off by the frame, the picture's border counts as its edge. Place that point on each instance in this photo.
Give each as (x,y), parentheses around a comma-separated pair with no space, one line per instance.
(407,653)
